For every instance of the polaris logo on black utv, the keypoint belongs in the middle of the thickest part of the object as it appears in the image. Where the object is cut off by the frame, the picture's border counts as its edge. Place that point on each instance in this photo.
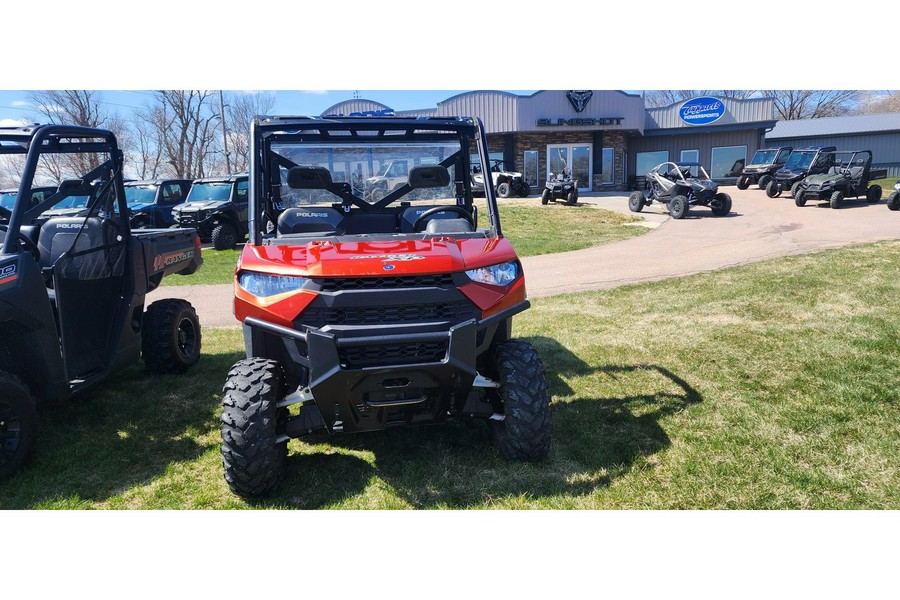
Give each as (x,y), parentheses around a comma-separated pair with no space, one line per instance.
(68,225)
(161,262)
(7,273)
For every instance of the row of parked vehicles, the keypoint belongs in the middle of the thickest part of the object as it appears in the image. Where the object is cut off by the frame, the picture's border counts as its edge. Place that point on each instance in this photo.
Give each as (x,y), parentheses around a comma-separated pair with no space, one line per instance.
(815,173)
(215,206)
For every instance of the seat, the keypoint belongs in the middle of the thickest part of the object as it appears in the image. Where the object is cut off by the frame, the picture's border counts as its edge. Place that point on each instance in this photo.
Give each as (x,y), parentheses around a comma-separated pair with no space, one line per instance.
(325,221)
(78,234)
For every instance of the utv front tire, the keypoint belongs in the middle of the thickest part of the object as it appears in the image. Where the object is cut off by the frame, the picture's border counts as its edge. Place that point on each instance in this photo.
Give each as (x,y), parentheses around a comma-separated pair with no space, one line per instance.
(170,336)
(799,198)
(572,197)
(837,198)
(873,194)
(503,190)
(636,202)
(678,207)
(254,462)
(772,189)
(224,237)
(743,183)
(525,431)
(524,190)
(794,189)
(893,202)
(18,423)
(764,181)
(721,206)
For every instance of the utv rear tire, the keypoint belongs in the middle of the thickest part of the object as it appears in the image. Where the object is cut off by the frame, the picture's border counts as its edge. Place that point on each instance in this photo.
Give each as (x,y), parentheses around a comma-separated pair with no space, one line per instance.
(526,429)
(254,463)
(18,422)
(772,190)
(503,190)
(743,183)
(721,206)
(545,196)
(524,190)
(799,198)
(873,194)
(224,237)
(837,198)
(170,336)
(636,202)
(678,207)
(764,181)
(794,189)
(893,202)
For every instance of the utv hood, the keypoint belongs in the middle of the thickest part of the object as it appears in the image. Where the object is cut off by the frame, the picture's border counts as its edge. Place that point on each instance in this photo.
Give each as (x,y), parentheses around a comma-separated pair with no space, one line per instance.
(136,208)
(200,205)
(824,179)
(377,259)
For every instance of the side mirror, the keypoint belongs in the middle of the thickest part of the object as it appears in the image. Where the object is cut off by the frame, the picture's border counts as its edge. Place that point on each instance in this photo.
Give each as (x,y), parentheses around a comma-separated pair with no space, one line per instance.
(429,177)
(75,187)
(309,178)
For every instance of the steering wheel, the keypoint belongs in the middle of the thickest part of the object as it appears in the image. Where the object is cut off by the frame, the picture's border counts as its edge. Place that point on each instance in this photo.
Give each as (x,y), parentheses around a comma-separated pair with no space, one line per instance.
(30,245)
(437,209)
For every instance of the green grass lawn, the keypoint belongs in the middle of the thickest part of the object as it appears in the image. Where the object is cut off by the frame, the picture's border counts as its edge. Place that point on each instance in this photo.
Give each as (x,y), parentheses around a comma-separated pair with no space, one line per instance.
(532,229)
(768,386)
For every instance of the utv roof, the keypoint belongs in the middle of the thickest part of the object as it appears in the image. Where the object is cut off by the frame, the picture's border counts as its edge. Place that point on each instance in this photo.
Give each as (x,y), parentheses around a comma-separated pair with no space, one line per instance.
(366,127)
(814,148)
(224,178)
(158,181)
(55,139)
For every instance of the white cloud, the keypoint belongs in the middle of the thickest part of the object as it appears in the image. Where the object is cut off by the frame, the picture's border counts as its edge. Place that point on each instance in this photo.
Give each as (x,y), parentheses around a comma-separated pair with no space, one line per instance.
(45,108)
(315,92)
(14,122)
(21,104)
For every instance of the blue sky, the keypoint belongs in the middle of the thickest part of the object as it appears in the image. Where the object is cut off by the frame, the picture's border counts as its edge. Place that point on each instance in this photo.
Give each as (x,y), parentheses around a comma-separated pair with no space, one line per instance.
(16,105)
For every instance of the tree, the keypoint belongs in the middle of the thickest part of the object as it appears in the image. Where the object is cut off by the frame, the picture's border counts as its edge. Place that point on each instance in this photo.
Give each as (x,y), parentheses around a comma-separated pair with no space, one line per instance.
(239,112)
(181,124)
(658,98)
(813,104)
(878,103)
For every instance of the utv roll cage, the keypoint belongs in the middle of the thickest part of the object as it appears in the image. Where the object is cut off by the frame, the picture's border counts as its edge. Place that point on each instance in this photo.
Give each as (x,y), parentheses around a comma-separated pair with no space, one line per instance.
(265,195)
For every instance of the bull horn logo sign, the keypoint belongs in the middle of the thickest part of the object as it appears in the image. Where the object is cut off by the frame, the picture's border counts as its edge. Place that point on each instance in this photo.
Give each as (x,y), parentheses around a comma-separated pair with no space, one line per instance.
(579,98)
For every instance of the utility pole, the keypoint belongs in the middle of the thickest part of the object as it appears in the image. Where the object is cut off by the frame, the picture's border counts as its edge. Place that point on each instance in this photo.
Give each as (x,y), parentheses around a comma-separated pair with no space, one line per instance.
(225,134)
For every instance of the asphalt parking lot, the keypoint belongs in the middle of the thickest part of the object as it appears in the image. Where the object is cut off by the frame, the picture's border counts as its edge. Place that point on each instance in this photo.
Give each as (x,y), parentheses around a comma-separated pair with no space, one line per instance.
(758,228)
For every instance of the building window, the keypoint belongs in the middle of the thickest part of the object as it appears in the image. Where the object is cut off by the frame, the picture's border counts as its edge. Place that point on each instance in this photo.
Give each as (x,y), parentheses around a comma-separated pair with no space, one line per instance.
(609,166)
(530,169)
(728,161)
(645,161)
(691,156)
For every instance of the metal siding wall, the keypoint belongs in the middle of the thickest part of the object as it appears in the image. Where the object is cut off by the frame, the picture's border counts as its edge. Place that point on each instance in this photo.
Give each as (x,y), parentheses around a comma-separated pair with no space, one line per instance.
(497,110)
(704,142)
(737,111)
(352,106)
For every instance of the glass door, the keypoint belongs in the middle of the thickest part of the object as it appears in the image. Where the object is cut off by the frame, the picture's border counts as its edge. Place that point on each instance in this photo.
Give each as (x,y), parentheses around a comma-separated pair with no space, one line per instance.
(576,158)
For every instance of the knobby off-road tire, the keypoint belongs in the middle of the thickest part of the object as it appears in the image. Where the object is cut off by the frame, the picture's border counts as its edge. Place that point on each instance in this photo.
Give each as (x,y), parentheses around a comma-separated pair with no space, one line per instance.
(170,336)
(873,194)
(764,181)
(799,198)
(893,202)
(636,202)
(678,207)
(721,206)
(525,432)
(524,190)
(18,423)
(503,190)
(837,198)
(254,463)
(772,190)
(545,196)
(224,237)
(794,189)
(743,183)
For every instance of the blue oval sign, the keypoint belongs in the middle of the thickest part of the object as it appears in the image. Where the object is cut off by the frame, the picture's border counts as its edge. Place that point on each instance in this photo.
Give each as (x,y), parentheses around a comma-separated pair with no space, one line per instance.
(701,111)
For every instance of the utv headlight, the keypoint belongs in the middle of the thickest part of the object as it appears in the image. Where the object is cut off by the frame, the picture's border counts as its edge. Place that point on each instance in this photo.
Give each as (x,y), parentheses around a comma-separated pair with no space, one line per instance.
(263,284)
(501,274)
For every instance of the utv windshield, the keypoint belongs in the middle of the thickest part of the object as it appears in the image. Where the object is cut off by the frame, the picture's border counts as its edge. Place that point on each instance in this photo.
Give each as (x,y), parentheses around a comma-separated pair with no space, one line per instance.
(373,171)
(140,194)
(764,157)
(8,200)
(214,190)
(72,202)
(800,160)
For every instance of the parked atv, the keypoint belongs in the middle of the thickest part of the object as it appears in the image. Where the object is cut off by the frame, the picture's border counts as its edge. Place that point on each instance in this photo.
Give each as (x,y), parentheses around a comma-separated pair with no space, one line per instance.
(151,202)
(848,178)
(801,162)
(72,289)
(360,315)
(677,186)
(560,187)
(762,166)
(217,208)
(506,183)
(893,202)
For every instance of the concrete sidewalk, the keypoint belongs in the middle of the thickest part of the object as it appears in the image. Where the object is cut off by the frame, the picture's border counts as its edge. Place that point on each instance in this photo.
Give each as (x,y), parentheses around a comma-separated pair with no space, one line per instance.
(758,228)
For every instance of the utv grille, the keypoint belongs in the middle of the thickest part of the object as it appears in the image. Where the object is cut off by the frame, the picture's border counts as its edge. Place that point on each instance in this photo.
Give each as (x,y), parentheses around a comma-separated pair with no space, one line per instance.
(381,283)
(456,312)
(358,357)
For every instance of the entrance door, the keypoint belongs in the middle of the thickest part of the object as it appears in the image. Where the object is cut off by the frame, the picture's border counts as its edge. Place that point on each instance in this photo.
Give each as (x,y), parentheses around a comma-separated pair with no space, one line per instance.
(576,157)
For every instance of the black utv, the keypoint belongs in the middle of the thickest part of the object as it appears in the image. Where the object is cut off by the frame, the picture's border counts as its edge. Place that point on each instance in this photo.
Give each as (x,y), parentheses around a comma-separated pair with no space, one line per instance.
(847,178)
(763,166)
(72,289)
(217,208)
(151,202)
(801,162)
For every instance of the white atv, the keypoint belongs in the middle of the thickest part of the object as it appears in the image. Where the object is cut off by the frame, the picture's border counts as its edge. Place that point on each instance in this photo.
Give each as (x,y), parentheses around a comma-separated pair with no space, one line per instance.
(506,183)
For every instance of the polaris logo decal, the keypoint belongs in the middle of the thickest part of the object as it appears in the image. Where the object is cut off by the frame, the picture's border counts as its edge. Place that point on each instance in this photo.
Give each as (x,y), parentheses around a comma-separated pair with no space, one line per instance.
(579,98)
(388,257)
(8,273)
(167,260)
(312,215)
(388,267)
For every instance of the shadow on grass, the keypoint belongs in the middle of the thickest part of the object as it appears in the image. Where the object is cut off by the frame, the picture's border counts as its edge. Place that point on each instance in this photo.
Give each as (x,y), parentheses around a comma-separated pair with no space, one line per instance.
(598,436)
(120,434)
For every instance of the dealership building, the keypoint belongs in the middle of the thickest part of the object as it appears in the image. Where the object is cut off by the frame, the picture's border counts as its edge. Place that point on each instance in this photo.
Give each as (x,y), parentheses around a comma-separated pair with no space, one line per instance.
(610,139)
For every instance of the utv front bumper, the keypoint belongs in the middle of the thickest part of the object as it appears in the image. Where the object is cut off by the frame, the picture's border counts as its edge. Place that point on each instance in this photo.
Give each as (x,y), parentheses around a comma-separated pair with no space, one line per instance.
(420,377)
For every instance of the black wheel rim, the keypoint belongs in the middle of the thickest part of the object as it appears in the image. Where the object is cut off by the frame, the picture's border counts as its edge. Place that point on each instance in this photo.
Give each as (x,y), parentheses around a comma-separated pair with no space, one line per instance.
(10,432)
(187,338)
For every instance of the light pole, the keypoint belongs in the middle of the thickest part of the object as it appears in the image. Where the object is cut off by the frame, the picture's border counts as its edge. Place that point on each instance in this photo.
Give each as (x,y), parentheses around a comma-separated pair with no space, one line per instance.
(224,133)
